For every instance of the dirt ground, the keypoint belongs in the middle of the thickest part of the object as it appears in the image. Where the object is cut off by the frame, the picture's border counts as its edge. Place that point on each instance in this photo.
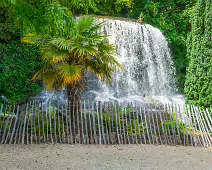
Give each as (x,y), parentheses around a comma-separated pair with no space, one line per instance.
(118,157)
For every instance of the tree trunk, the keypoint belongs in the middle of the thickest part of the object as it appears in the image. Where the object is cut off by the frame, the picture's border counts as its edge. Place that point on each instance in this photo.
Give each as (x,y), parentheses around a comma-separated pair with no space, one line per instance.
(74,93)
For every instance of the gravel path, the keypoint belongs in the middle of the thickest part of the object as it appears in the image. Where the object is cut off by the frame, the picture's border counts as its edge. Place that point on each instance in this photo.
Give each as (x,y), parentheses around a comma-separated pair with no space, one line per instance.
(118,157)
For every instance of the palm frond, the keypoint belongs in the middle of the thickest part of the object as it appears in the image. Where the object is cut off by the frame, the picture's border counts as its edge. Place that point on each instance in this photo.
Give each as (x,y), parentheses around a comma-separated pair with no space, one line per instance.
(84,24)
(96,27)
(61,43)
(54,54)
(69,73)
(67,57)
(34,39)
(48,75)
(80,50)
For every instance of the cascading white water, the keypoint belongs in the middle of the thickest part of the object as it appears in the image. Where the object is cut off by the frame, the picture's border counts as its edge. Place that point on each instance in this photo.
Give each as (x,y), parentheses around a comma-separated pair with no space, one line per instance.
(148,70)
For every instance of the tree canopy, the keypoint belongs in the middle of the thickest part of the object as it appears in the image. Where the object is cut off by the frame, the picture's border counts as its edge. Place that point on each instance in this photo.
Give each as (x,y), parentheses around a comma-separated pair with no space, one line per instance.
(68,57)
(69,46)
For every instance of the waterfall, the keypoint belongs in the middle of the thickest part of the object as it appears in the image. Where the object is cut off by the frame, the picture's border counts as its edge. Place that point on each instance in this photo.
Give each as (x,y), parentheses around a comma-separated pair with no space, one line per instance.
(148,70)
(148,73)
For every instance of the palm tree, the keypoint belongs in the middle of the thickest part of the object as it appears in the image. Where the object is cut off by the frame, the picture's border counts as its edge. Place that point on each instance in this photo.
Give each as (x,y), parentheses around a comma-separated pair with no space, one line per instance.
(67,59)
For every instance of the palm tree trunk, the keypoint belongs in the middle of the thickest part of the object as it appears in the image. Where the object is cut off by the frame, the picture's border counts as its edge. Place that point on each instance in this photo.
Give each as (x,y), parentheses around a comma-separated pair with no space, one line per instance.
(75,92)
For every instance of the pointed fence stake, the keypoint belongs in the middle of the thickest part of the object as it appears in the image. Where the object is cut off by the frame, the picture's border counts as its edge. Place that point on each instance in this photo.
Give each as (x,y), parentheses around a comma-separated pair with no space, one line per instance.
(25,119)
(86,123)
(14,127)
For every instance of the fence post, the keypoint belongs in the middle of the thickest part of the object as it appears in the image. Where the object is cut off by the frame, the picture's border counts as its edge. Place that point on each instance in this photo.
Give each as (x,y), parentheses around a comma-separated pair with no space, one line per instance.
(50,121)
(70,123)
(203,140)
(63,127)
(177,109)
(102,122)
(209,125)
(117,129)
(153,121)
(86,123)
(122,117)
(67,126)
(21,119)
(202,122)
(119,123)
(26,113)
(58,120)
(82,123)
(14,127)
(8,132)
(5,128)
(38,112)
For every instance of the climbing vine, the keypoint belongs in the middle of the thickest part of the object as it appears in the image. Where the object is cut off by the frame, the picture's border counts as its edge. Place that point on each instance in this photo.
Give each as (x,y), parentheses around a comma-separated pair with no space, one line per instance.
(198,86)
(18,63)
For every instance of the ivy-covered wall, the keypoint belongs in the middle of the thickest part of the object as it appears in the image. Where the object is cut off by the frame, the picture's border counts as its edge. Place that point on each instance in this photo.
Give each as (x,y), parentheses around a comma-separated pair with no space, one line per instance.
(198,86)
(18,63)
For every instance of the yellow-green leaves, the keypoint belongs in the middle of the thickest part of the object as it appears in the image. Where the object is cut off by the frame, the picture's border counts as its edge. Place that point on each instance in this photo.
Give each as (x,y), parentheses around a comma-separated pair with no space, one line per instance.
(68,57)
(70,73)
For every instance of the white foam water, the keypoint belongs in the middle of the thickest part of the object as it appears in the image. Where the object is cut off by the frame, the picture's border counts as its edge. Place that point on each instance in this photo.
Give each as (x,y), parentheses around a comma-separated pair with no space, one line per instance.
(148,70)
(148,74)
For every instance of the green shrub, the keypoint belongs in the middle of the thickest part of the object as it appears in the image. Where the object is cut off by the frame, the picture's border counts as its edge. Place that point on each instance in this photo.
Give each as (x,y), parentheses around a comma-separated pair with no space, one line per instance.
(198,86)
(18,63)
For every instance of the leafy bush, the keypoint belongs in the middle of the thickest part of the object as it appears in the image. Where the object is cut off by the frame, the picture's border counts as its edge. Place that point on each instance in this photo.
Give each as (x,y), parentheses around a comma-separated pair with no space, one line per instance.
(198,86)
(18,63)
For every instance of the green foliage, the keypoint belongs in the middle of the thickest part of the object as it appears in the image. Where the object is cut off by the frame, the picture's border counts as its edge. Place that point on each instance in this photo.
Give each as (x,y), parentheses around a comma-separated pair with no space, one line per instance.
(183,127)
(198,86)
(99,7)
(134,127)
(123,111)
(114,7)
(55,20)
(44,16)
(7,27)
(44,126)
(69,47)
(171,126)
(68,57)
(18,63)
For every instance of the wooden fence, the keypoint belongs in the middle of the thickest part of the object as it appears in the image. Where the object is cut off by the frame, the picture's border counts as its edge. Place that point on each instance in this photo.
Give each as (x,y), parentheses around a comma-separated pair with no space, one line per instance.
(105,123)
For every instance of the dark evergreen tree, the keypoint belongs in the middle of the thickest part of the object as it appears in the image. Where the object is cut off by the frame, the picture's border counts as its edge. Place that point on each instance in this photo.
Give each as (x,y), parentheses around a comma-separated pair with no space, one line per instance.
(198,86)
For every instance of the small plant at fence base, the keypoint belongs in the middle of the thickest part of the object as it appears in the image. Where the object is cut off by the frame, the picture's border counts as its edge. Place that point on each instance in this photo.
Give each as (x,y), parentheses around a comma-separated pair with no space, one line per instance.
(132,127)
(183,127)
(176,123)
(136,129)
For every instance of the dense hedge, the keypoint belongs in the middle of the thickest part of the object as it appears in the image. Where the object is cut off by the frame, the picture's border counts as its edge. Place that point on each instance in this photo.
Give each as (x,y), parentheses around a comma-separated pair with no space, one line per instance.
(18,63)
(198,86)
